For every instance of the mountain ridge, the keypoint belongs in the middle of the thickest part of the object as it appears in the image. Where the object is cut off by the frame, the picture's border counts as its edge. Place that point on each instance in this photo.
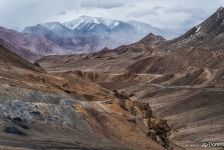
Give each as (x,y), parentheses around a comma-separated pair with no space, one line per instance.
(181,78)
(207,34)
(102,32)
(28,46)
(49,111)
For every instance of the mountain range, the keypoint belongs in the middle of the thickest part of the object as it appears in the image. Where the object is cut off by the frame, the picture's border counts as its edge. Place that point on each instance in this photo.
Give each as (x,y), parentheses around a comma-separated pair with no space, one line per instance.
(89,34)
(28,46)
(47,111)
(153,94)
(182,78)
(84,34)
(100,25)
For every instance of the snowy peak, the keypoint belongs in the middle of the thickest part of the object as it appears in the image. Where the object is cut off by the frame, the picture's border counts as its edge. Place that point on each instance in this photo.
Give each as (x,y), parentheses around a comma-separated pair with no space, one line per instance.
(87,34)
(98,25)
(83,20)
(85,24)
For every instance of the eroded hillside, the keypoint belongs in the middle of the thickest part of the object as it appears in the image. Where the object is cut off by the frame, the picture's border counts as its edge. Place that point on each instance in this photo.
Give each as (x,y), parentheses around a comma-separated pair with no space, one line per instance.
(39,110)
(181,79)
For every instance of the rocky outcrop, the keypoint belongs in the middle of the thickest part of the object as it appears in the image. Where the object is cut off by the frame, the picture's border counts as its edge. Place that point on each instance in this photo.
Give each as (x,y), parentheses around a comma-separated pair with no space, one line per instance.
(159,130)
(152,40)
(156,128)
(140,114)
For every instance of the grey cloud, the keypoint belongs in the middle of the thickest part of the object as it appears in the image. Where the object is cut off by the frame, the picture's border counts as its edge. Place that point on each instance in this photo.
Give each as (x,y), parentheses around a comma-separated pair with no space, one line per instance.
(62,13)
(145,12)
(176,15)
(101,4)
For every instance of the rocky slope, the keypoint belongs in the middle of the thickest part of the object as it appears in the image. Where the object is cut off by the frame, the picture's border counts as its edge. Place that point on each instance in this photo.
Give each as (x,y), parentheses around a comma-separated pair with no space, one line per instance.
(27,46)
(45,111)
(182,79)
(207,35)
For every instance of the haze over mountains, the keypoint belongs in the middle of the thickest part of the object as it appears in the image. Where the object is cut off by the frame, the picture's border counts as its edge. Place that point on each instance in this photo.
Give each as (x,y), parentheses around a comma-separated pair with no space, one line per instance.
(85,34)
(89,34)
(207,35)
(28,46)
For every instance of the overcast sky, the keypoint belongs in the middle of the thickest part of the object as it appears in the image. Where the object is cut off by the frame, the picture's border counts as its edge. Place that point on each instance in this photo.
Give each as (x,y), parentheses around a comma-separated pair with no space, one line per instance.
(172,14)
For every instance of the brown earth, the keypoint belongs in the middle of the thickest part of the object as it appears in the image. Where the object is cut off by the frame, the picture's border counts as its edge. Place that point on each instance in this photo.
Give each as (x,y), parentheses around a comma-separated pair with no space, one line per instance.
(101,100)
(182,79)
(39,110)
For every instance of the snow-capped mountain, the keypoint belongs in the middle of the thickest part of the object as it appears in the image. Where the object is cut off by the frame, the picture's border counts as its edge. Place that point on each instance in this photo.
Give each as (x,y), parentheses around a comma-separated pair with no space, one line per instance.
(88,34)
(100,25)
(63,37)
(83,20)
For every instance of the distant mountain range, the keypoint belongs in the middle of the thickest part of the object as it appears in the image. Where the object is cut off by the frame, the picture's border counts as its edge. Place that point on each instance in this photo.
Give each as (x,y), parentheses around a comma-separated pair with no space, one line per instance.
(88,34)
(28,46)
(200,47)
(99,25)
(82,35)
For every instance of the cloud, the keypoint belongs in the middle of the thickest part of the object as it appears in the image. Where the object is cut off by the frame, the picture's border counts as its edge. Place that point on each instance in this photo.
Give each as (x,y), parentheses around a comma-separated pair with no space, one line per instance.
(175,15)
(101,4)
(144,12)
(62,13)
